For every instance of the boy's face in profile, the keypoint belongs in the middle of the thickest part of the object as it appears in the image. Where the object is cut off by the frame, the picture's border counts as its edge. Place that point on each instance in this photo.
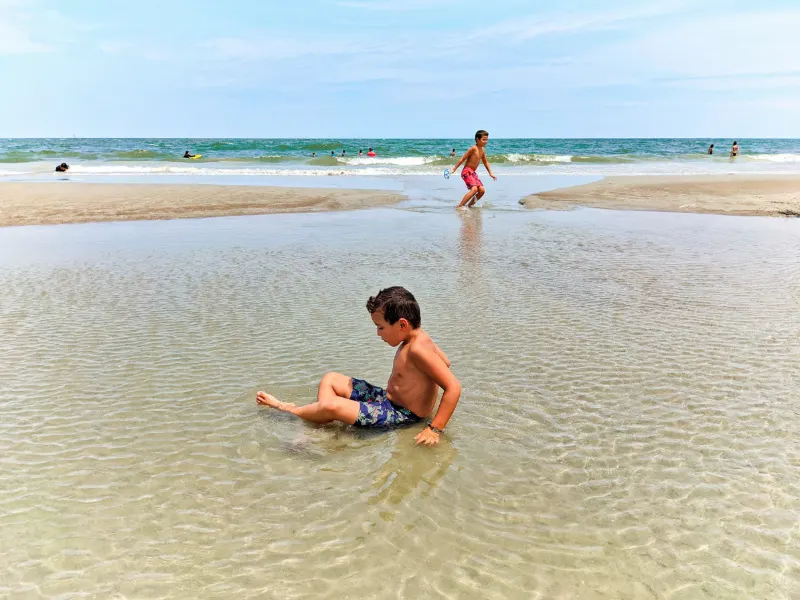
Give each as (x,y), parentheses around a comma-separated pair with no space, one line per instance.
(482,141)
(391,334)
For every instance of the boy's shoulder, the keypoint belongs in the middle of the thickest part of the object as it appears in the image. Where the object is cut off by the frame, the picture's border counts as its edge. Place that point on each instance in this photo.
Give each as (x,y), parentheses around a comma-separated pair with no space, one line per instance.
(421,343)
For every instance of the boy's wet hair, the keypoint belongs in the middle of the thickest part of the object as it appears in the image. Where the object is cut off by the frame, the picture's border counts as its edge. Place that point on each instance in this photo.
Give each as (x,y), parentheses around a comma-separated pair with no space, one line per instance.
(396,303)
(480,133)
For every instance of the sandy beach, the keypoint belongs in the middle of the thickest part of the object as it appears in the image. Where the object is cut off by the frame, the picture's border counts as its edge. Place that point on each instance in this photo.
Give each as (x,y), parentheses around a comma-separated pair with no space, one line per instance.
(765,195)
(68,202)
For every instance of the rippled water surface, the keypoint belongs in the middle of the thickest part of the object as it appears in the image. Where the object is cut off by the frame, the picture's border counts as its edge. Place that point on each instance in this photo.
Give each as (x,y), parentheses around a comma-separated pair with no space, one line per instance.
(629,426)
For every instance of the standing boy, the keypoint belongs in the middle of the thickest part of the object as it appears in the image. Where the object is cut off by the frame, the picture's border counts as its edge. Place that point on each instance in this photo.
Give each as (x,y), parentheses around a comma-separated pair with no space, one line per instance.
(420,368)
(471,159)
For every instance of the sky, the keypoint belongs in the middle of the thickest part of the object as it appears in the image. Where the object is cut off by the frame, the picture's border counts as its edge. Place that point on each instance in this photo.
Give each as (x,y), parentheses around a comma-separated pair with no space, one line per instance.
(401,68)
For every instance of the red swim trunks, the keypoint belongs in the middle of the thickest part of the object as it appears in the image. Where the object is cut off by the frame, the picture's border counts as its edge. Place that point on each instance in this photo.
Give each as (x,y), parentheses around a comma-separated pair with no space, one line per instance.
(470,177)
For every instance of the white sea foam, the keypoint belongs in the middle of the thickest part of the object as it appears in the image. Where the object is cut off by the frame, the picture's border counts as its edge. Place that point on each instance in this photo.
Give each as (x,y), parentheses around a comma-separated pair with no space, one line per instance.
(778,158)
(403,161)
(544,158)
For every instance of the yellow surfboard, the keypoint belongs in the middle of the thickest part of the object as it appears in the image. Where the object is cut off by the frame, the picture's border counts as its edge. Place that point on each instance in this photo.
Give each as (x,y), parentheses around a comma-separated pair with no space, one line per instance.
(196,156)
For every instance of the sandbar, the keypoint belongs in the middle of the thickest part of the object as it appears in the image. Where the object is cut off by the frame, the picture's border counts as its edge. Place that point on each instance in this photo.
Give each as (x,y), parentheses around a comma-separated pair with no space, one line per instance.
(765,195)
(73,202)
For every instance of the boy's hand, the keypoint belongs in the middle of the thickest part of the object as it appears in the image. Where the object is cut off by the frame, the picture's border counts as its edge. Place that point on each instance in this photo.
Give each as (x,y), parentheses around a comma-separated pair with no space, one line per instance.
(492,176)
(428,437)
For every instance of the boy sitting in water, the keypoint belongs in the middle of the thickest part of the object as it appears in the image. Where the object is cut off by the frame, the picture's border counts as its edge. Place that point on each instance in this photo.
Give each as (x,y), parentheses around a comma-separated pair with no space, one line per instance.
(472,159)
(420,368)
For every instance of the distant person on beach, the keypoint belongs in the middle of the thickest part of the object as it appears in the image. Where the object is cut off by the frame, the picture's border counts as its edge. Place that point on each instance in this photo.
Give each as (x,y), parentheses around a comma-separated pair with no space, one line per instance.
(711,149)
(420,369)
(332,154)
(371,152)
(472,159)
(735,149)
(62,168)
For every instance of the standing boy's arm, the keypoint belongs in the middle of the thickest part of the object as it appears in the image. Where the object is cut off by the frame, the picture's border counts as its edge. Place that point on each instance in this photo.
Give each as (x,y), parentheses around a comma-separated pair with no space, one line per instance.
(429,363)
(486,164)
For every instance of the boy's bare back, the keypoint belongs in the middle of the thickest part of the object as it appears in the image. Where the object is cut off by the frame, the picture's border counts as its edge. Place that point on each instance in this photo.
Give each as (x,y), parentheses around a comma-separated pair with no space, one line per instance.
(409,384)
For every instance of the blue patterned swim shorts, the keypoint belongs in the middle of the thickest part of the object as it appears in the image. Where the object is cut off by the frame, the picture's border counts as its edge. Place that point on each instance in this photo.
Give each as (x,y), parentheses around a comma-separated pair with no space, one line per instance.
(376,410)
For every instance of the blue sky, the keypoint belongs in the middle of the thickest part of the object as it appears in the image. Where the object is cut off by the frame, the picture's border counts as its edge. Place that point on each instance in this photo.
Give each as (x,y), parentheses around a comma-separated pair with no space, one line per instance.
(402,68)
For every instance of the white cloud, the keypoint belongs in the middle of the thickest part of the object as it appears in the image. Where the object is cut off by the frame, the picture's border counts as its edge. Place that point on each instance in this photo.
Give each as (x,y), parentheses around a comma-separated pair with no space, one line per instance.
(26,27)
(16,29)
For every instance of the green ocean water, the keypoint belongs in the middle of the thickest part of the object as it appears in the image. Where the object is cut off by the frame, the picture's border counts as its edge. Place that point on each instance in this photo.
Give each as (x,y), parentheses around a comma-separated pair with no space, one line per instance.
(309,157)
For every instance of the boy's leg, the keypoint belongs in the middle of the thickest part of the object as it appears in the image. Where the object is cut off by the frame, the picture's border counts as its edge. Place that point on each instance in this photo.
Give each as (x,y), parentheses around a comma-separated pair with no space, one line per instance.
(478,196)
(333,402)
(472,191)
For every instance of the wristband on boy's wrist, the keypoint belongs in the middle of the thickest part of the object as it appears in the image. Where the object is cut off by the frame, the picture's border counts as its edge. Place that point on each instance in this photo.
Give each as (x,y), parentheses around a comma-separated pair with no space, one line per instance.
(434,429)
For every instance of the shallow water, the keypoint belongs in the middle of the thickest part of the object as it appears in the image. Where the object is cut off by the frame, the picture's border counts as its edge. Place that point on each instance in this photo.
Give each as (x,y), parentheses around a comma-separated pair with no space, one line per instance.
(629,426)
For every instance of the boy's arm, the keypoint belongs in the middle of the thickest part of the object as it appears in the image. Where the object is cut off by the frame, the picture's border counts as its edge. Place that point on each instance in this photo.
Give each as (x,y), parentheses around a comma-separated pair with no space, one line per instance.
(431,364)
(461,160)
(442,355)
(486,164)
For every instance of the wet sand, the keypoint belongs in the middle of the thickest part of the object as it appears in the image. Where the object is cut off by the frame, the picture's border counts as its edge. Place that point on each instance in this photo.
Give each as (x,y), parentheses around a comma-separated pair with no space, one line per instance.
(68,202)
(765,195)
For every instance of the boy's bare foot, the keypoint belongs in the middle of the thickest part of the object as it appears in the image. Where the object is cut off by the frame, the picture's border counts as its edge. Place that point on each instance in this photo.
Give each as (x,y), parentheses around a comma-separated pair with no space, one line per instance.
(462,207)
(268,400)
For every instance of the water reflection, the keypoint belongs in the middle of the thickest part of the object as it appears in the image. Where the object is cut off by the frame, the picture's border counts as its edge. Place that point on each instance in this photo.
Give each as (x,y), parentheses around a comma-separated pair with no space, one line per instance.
(409,466)
(469,244)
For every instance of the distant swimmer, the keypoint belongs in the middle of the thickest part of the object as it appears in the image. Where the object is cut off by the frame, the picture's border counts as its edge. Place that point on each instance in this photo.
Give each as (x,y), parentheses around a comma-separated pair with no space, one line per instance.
(735,149)
(187,155)
(371,152)
(313,155)
(361,153)
(344,152)
(711,149)
(452,153)
(332,154)
(62,168)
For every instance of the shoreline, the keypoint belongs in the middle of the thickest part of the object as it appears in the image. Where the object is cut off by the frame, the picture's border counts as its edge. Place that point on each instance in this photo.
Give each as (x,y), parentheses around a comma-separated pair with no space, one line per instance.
(740,194)
(67,202)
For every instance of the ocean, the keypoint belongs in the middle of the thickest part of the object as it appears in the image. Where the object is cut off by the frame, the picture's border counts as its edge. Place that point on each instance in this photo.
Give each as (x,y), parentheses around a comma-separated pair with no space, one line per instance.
(243,159)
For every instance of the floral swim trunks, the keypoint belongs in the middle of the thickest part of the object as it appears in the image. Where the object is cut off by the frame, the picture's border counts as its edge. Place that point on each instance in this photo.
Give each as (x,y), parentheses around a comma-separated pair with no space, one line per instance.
(376,410)
(470,177)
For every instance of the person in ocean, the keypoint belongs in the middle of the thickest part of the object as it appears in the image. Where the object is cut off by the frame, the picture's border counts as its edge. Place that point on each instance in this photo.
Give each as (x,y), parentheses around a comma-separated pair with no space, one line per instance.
(472,159)
(420,368)
(735,149)
(453,153)
(332,153)
(187,155)
(711,149)
(371,152)
(313,155)
(62,168)
(344,152)
(360,153)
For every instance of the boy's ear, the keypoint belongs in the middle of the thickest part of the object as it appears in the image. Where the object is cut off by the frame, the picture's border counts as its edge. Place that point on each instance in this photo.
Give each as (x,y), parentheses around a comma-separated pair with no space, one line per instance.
(404,323)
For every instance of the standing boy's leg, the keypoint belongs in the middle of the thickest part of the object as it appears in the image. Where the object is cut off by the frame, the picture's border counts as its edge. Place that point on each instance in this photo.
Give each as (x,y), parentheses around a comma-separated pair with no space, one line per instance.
(333,402)
(478,196)
(470,194)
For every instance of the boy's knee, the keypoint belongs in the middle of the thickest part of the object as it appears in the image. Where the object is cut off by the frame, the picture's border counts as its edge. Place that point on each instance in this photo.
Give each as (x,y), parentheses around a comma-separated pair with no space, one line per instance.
(331,405)
(328,378)
(481,190)
(474,189)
